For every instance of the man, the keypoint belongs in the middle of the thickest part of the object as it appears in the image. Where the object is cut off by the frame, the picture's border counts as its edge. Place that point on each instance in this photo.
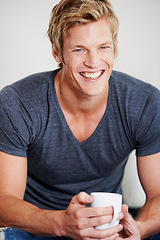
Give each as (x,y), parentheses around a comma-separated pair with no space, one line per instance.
(67,133)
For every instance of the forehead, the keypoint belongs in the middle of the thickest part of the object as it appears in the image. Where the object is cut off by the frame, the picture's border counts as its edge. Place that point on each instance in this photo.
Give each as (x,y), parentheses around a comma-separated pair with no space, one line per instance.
(95,32)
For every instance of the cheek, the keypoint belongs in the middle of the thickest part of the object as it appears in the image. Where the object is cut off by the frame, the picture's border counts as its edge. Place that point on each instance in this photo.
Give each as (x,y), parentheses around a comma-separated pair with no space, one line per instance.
(73,58)
(109,59)
(74,63)
(69,62)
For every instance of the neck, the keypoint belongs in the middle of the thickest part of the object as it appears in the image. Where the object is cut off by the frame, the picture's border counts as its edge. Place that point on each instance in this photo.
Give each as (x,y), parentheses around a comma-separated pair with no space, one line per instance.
(74,102)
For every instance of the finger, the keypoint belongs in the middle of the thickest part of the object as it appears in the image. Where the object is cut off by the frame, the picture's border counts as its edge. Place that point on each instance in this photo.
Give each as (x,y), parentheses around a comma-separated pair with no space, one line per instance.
(120,216)
(90,212)
(100,211)
(127,217)
(114,237)
(102,234)
(128,222)
(82,198)
(92,222)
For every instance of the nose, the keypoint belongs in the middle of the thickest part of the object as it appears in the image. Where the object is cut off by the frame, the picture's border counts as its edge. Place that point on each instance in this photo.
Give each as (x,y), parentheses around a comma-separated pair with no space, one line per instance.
(92,59)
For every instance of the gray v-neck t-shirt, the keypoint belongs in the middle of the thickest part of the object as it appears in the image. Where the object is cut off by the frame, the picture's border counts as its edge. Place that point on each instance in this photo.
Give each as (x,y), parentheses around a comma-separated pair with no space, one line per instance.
(32,125)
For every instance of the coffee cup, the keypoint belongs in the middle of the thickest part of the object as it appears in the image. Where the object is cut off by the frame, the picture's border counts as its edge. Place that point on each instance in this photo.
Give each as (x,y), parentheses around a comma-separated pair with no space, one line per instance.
(103,199)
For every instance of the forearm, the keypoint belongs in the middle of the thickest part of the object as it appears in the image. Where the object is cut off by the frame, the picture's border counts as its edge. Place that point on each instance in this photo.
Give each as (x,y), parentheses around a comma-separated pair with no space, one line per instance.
(25,216)
(149,218)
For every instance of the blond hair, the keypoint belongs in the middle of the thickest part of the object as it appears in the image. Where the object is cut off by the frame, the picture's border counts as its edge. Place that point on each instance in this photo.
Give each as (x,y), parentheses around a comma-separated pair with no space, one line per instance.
(68,13)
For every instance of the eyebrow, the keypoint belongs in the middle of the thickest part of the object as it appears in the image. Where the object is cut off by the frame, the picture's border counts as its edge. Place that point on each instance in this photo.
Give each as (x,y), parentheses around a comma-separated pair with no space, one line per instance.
(102,44)
(107,43)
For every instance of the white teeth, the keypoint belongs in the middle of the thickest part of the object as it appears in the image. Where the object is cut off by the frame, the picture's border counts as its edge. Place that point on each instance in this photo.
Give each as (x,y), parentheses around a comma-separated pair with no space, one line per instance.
(91,75)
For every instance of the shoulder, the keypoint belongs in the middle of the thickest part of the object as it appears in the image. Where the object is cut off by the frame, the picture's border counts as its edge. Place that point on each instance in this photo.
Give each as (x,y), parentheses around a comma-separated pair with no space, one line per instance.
(31,89)
(27,100)
(24,110)
(131,88)
(125,80)
(138,101)
(33,83)
(139,106)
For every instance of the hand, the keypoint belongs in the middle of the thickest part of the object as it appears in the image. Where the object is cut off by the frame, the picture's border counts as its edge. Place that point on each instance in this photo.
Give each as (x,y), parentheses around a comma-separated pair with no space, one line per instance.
(130,228)
(78,221)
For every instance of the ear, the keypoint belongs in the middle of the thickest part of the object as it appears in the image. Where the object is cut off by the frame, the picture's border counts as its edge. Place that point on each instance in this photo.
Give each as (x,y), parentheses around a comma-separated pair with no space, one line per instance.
(116,49)
(56,55)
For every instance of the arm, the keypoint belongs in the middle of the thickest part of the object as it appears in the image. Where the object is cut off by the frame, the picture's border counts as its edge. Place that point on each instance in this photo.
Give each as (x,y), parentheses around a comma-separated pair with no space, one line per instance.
(148,221)
(76,221)
(14,212)
(149,173)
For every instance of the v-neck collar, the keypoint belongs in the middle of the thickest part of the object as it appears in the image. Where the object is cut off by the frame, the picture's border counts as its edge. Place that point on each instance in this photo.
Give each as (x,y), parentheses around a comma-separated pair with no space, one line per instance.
(65,123)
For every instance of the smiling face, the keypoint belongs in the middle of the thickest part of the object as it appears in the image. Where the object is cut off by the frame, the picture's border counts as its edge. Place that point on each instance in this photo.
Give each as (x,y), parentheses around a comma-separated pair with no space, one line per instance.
(88,58)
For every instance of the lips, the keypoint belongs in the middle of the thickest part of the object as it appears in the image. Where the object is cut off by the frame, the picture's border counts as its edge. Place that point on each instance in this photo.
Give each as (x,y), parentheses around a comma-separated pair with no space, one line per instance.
(91,75)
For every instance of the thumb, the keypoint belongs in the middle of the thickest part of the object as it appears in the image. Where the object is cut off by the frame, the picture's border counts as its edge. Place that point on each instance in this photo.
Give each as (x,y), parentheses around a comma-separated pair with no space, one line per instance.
(126,216)
(125,210)
(82,198)
(127,221)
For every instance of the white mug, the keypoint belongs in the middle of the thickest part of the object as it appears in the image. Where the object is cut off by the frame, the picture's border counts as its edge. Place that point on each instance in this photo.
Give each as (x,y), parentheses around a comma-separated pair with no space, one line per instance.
(102,199)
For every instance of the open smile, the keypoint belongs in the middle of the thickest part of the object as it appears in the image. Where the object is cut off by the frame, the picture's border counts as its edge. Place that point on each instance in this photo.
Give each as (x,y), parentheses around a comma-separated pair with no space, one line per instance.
(92,75)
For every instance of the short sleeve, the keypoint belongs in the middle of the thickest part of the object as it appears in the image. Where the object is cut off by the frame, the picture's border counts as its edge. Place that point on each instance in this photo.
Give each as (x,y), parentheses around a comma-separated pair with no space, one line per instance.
(148,130)
(15,123)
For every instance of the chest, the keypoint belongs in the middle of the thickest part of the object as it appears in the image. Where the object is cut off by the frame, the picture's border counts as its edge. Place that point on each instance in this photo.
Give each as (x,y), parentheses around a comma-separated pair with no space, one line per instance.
(65,159)
(84,125)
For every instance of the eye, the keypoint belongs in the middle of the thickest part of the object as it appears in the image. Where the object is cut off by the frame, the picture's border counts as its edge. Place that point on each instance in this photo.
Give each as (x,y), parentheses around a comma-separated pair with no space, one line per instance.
(104,47)
(79,50)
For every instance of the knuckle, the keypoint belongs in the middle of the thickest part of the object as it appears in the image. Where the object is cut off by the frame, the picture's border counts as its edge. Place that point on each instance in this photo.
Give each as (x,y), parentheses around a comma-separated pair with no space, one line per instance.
(73,199)
(79,225)
(96,211)
(110,218)
(100,221)
(81,195)
(81,233)
(109,234)
(101,235)
(82,224)
(78,214)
